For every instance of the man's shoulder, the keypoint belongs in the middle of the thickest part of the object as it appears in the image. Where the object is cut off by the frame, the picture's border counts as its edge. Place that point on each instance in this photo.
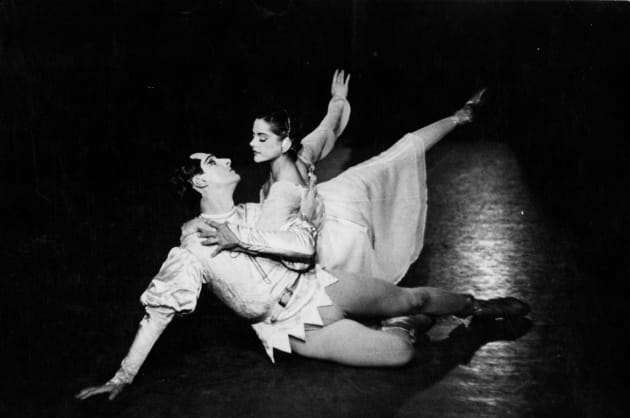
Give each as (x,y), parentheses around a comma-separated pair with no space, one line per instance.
(248,212)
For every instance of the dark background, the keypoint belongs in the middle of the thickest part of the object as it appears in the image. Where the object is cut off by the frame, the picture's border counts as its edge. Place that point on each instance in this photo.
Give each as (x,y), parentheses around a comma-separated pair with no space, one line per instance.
(99,100)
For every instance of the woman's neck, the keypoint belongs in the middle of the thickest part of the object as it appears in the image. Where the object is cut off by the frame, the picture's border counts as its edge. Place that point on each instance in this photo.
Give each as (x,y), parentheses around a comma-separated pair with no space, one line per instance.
(284,168)
(280,164)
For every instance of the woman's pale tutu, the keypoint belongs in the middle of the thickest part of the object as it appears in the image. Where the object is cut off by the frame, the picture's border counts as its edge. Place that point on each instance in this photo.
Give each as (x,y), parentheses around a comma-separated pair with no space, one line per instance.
(375,213)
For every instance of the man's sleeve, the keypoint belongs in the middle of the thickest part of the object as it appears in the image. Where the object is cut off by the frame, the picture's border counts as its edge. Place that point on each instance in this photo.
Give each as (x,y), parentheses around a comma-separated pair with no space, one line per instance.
(174,290)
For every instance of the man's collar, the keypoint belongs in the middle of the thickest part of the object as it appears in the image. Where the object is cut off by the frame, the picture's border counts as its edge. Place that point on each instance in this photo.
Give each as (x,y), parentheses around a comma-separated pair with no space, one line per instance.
(219,216)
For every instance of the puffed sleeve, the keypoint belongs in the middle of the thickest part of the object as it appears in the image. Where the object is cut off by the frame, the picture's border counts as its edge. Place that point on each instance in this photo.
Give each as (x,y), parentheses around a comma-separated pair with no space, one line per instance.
(319,143)
(175,289)
(178,283)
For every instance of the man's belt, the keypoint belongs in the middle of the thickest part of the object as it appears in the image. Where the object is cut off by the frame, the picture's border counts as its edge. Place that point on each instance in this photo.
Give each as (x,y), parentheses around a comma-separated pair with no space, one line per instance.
(287,294)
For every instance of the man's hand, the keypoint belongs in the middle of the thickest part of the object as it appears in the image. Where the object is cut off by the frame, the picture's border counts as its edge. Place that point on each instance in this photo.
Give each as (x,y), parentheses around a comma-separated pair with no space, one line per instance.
(339,86)
(113,389)
(221,236)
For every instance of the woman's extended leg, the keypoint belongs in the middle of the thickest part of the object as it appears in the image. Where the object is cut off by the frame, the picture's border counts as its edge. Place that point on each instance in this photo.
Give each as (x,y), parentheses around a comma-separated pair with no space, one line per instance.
(353,344)
(434,132)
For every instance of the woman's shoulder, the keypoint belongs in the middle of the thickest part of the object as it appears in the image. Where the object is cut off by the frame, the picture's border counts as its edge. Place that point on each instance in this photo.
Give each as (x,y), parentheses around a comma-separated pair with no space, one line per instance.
(290,177)
(283,197)
(287,186)
(284,182)
(286,191)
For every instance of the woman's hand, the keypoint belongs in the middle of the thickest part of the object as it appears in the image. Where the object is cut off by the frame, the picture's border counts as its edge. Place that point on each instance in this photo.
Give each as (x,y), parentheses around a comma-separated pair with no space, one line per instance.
(113,389)
(339,86)
(196,226)
(221,236)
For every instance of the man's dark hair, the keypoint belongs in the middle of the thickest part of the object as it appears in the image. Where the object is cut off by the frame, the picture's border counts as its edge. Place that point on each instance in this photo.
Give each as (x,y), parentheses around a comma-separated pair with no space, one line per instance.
(182,181)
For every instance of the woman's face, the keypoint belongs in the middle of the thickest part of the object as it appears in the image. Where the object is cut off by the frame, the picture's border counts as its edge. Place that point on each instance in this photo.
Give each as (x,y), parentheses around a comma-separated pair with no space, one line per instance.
(266,145)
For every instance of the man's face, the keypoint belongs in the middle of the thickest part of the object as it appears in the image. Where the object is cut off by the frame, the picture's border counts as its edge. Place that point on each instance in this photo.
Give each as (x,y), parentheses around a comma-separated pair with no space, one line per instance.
(216,171)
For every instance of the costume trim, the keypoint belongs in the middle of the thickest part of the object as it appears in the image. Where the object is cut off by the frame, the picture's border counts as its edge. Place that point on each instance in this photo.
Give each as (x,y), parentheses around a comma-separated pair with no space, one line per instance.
(276,330)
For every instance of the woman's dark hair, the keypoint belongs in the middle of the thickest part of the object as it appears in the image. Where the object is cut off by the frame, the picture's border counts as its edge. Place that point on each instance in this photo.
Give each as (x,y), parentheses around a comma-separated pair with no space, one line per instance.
(278,120)
(280,124)
(182,181)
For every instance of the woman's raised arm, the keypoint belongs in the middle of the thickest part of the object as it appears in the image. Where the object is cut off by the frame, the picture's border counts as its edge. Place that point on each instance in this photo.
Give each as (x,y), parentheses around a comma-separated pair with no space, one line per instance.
(319,143)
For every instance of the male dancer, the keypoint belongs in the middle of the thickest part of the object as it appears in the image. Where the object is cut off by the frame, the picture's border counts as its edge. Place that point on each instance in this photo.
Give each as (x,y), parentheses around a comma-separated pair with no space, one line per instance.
(307,311)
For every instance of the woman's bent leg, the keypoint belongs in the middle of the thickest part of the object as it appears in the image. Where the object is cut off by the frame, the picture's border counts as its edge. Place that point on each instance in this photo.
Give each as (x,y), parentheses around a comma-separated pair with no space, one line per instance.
(353,344)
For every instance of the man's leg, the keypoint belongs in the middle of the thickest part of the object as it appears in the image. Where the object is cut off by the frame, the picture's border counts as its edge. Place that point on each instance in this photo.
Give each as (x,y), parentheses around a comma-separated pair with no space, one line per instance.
(353,344)
(373,297)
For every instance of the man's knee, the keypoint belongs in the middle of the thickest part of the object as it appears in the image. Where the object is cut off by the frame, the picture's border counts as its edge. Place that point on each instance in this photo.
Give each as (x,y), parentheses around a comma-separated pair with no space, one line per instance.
(419,298)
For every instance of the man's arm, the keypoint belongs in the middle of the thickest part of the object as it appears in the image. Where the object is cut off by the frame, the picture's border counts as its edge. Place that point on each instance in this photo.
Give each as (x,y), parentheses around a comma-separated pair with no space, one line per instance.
(149,330)
(175,289)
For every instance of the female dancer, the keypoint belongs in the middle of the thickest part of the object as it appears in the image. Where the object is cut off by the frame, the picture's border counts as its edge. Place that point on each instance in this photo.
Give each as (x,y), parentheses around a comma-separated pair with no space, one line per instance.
(371,217)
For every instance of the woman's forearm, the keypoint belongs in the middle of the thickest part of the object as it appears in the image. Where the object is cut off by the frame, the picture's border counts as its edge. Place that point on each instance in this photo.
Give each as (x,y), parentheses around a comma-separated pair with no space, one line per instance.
(318,144)
(296,243)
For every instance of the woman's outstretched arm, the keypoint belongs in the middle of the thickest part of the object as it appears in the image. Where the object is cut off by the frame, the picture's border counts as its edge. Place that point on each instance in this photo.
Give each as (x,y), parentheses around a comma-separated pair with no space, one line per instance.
(319,143)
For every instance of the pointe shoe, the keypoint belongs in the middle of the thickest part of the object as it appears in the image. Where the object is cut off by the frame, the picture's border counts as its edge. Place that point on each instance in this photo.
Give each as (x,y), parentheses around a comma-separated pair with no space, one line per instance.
(477,98)
(467,113)
(410,324)
(506,307)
